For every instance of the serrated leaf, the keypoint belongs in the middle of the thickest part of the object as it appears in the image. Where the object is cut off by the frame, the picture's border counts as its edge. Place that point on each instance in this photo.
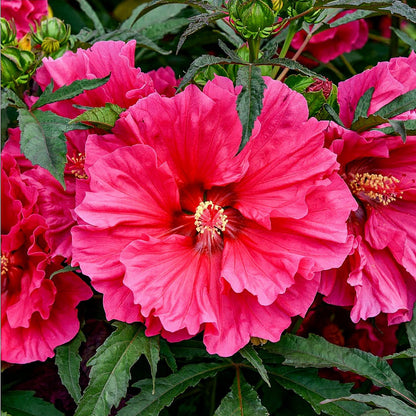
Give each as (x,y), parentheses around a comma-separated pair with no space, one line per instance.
(250,354)
(293,65)
(367,123)
(68,91)
(23,403)
(395,406)
(334,115)
(152,353)
(171,26)
(190,349)
(167,354)
(231,54)
(405,38)
(68,361)
(110,369)
(157,16)
(241,400)
(101,117)
(168,388)
(376,412)
(316,352)
(10,97)
(409,353)
(351,17)
(399,128)
(363,105)
(399,105)
(314,389)
(43,141)
(89,11)
(409,125)
(411,333)
(229,33)
(250,99)
(298,83)
(200,63)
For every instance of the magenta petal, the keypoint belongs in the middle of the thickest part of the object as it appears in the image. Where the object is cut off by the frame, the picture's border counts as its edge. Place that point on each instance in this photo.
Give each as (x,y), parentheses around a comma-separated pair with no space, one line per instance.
(172,281)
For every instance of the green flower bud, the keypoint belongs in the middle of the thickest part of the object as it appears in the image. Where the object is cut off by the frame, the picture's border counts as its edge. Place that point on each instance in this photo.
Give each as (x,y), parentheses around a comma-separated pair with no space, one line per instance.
(253,18)
(16,66)
(8,33)
(52,34)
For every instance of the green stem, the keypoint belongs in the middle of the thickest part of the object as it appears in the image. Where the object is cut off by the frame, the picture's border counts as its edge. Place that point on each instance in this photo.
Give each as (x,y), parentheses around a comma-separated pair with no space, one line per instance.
(334,69)
(348,64)
(254,49)
(293,27)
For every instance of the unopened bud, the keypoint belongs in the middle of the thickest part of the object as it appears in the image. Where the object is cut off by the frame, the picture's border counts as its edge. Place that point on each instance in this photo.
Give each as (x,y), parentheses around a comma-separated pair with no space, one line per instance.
(52,34)
(16,66)
(8,33)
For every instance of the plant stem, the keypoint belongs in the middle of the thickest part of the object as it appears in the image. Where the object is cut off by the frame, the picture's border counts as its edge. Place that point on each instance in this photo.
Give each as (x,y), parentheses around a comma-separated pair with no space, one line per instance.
(348,64)
(254,49)
(335,70)
(296,56)
(293,26)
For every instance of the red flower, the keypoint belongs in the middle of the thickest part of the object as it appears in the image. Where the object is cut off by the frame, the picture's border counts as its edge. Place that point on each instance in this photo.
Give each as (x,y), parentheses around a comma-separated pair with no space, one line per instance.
(331,43)
(195,238)
(38,310)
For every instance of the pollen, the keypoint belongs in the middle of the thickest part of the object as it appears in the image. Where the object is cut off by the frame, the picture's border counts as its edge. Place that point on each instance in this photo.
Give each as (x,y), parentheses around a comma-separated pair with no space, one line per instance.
(379,188)
(4,264)
(76,166)
(210,217)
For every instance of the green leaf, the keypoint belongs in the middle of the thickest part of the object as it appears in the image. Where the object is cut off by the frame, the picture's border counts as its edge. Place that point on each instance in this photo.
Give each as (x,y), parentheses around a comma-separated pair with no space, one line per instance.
(409,353)
(152,353)
(200,63)
(314,389)
(293,65)
(68,361)
(141,40)
(411,334)
(334,115)
(405,38)
(157,31)
(409,126)
(316,352)
(68,91)
(89,11)
(298,83)
(399,105)
(167,354)
(363,105)
(43,141)
(241,400)
(367,123)
(65,269)
(23,403)
(231,54)
(101,117)
(395,406)
(351,17)
(128,23)
(250,99)
(168,388)
(250,354)
(110,371)
(9,97)
(376,412)
(157,16)
(229,33)
(399,128)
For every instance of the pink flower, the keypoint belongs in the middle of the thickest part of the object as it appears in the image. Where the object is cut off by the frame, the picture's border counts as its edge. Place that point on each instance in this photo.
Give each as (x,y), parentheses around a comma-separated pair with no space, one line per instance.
(127,84)
(38,310)
(193,237)
(165,81)
(379,275)
(24,13)
(331,43)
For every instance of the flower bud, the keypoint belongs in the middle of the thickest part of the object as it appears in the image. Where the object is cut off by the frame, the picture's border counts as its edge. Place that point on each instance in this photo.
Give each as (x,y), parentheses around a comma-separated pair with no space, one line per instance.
(8,33)
(16,66)
(52,34)
(253,18)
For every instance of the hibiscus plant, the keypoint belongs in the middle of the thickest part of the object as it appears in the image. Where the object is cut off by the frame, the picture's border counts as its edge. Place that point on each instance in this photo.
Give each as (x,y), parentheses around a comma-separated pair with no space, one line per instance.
(208,207)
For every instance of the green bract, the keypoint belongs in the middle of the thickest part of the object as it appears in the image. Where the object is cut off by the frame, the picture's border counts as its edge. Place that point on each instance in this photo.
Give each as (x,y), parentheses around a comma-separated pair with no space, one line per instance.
(16,66)
(8,33)
(53,35)
(254,18)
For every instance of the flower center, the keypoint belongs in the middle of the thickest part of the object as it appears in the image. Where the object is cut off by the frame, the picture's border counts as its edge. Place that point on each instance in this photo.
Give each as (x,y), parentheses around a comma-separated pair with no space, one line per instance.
(210,217)
(75,166)
(377,187)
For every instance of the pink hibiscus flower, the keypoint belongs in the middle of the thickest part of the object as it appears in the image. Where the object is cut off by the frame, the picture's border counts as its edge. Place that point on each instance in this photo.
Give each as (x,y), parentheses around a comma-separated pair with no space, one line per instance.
(379,275)
(331,43)
(38,310)
(127,84)
(24,13)
(193,237)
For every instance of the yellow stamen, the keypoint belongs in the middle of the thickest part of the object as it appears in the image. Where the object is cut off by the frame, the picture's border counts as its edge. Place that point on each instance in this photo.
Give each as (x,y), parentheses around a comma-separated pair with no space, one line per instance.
(377,187)
(211,217)
(4,264)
